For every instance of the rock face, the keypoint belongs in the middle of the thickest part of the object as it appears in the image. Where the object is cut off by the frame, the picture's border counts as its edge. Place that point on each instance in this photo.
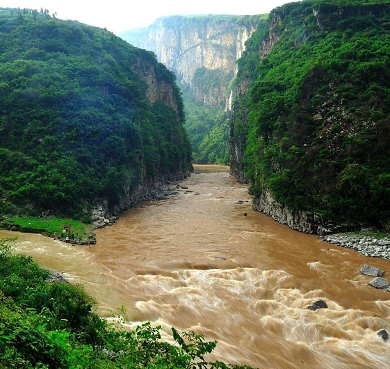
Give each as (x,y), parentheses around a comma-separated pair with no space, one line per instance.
(148,190)
(202,51)
(302,221)
(158,88)
(187,43)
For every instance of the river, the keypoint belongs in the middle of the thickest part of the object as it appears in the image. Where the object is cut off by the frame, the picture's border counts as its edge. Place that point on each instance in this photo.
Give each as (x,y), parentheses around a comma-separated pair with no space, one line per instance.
(205,261)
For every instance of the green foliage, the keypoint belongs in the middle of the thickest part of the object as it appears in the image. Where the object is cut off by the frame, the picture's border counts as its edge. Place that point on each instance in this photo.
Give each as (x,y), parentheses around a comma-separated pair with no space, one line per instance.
(314,122)
(208,130)
(52,325)
(75,123)
(205,79)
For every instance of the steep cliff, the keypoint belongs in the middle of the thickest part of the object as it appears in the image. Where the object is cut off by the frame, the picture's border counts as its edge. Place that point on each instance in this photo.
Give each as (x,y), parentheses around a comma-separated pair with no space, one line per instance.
(85,118)
(202,51)
(310,127)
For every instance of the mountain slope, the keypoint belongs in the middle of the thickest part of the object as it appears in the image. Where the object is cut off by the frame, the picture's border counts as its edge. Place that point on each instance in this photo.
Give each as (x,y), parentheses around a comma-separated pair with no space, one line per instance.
(202,50)
(310,129)
(84,116)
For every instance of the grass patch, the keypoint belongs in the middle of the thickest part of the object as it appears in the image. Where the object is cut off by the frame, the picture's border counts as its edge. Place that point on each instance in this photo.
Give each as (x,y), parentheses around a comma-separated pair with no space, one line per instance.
(51,226)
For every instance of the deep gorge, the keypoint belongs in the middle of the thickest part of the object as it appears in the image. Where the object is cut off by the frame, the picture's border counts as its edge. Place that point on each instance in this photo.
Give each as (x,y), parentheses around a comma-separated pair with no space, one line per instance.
(92,128)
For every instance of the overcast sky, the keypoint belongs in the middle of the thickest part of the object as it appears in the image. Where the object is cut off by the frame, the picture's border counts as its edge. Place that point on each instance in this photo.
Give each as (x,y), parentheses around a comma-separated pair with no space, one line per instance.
(122,15)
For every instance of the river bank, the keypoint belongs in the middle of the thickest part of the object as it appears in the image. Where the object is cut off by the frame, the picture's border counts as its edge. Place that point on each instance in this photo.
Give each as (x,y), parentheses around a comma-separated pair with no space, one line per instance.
(78,233)
(373,245)
(62,229)
(196,262)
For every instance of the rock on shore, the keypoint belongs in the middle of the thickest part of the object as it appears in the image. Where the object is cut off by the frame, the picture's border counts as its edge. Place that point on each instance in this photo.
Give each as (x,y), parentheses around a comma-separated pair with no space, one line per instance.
(371,271)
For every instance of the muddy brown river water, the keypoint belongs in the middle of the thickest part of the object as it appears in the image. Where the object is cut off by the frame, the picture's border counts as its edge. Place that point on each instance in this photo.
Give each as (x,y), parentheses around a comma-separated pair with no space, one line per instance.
(195,261)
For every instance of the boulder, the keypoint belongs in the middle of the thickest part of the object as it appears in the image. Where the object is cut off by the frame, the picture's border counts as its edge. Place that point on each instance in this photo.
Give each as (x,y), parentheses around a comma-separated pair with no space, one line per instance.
(320,304)
(58,277)
(371,271)
(379,283)
(383,334)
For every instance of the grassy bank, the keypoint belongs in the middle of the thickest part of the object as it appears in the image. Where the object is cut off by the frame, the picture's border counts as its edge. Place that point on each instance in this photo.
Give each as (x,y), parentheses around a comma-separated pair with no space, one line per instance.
(51,227)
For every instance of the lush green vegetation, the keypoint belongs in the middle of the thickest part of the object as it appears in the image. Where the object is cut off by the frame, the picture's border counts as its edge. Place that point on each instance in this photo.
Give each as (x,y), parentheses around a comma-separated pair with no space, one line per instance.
(315,121)
(75,122)
(50,226)
(208,130)
(207,79)
(52,325)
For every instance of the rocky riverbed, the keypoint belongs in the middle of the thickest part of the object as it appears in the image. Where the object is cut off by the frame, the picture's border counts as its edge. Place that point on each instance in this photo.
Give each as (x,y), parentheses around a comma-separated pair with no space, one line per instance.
(363,244)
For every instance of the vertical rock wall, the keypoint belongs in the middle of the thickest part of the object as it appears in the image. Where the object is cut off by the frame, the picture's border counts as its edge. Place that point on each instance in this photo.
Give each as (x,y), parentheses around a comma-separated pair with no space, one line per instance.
(186,43)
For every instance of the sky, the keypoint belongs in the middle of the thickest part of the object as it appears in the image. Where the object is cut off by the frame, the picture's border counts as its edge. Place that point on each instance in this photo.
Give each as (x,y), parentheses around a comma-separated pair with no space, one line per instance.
(121,15)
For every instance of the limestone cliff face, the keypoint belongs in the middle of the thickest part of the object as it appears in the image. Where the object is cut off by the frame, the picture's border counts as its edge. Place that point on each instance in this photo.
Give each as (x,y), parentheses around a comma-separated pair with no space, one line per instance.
(159,89)
(187,43)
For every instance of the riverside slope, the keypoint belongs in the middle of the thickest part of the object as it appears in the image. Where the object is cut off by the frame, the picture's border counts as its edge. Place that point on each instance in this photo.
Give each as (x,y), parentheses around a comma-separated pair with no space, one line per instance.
(309,130)
(86,118)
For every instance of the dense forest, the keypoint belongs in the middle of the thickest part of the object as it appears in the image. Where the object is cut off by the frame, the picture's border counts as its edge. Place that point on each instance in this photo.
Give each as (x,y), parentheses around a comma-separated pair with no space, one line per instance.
(311,122)
(208,130)
(76,125)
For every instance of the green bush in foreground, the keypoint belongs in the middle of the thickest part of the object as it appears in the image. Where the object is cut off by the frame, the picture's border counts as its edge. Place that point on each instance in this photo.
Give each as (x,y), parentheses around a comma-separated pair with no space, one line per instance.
(52,325)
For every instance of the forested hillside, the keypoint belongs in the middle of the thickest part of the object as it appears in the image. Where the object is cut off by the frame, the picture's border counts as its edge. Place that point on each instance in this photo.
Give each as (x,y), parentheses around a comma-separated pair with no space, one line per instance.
(78,121)
(311,126)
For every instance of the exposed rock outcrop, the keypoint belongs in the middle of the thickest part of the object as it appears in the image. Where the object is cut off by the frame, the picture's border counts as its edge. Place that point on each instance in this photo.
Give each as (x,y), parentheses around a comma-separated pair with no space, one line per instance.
(383,334)
(379,283)
(148,190)
(302,221)
(202,50)
(320,304)
(365,245)
(186,43)
(158,88)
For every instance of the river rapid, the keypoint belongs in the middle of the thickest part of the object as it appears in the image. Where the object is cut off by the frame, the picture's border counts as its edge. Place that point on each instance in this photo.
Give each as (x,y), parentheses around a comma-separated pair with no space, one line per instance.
(195,261)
